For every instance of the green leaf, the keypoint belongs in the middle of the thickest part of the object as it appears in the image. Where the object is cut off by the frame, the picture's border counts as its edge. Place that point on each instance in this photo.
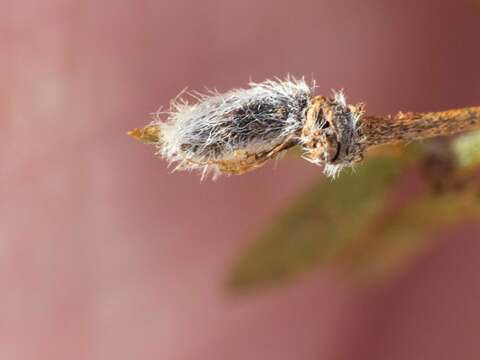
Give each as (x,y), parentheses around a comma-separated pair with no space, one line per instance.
(397,237)
(318,227)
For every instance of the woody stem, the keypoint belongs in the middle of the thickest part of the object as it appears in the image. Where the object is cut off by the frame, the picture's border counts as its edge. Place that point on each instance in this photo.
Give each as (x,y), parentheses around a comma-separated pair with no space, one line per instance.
(407,127)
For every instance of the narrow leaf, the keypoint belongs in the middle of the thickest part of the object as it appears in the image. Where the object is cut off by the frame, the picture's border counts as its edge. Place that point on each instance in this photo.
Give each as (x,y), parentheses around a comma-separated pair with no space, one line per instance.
(392,242)
(319,225)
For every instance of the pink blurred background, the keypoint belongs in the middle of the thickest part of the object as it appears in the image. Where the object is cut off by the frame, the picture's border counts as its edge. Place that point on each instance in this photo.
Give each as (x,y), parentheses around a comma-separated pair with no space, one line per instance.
(105,255)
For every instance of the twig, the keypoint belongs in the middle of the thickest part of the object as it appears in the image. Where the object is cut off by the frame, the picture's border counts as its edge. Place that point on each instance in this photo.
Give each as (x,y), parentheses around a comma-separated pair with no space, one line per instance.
(239,131)
(406,127)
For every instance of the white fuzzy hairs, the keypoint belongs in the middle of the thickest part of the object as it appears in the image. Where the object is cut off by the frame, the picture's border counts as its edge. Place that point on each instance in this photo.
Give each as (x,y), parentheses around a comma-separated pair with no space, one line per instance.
(236,131)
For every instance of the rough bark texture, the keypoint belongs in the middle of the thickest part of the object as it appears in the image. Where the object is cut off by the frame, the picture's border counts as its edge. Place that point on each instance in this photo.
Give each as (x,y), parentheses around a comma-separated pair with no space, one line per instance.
(406,127)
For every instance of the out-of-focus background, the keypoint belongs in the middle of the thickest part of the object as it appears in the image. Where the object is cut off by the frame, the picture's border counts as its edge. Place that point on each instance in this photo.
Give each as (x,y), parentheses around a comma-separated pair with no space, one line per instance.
(106,255)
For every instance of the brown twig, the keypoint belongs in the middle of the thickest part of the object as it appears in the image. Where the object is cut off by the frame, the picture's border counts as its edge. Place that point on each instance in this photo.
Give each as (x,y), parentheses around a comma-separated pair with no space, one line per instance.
(346,133)
(225,136)
(407,127)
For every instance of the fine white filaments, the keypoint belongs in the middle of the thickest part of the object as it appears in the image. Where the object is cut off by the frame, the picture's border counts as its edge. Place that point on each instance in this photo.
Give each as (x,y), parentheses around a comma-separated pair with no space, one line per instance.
(241,129)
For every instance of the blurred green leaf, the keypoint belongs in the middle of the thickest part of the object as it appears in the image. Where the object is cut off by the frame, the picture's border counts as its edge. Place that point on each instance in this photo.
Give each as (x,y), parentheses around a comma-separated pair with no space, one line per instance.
(466,149)
(350,224)
(318,227)
(394,240)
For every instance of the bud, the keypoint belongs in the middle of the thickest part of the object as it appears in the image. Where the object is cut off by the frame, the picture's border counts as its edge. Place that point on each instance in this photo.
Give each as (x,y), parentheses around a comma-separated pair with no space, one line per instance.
(232,132)
(240,130)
